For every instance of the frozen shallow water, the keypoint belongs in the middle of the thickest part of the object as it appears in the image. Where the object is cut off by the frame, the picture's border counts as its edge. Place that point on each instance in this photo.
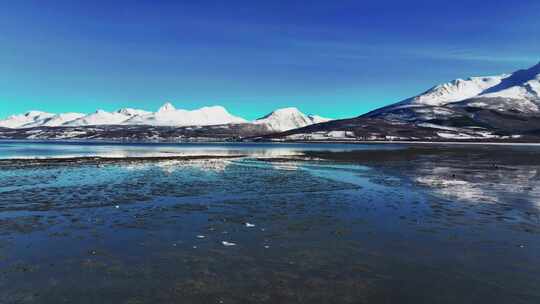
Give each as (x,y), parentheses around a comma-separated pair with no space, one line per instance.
(325,224)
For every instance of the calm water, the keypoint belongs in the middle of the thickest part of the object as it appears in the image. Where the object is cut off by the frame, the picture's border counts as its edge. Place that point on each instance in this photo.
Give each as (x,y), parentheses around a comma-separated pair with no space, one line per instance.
(18,149)
(268,227)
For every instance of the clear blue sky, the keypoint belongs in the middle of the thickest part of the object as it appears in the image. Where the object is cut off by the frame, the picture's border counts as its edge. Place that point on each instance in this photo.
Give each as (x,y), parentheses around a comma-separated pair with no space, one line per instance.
(333,58)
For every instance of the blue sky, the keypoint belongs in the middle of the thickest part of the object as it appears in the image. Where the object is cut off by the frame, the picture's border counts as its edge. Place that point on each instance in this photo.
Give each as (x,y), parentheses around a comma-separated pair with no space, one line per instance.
(333,58)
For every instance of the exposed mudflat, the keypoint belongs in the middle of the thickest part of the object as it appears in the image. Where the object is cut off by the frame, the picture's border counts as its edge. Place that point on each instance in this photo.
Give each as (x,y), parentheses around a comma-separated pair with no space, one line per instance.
(21,163)
(419,224)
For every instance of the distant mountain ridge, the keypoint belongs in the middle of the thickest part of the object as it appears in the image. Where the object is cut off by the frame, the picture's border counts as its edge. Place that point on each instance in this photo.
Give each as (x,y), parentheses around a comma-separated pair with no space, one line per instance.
(166,115)
(489,108)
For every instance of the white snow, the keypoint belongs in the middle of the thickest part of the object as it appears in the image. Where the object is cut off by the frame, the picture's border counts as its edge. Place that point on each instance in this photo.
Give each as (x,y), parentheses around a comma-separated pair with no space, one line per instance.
(435,126)
(132,112)
(99,117)
(323,135)
(70,134)
(523,97)
(167,107)
(55,120)
(456,90)
(288,118)
(340,134)
(318,119)
(168,115)
(462,135)
(517,91)
(517,104)
(18,121)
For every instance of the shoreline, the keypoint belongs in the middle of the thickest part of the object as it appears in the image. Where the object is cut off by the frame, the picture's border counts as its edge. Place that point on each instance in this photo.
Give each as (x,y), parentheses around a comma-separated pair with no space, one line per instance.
(420,142)
(241,150)
(99,160)
(268,142)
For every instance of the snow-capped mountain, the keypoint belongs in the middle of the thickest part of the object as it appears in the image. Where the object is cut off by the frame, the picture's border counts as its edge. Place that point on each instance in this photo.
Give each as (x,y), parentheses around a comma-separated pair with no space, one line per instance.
(166,124)
(168,115)
(518,92)
(99,117)
(503,107)
(18,121)
(54,120)
(499,107)
(287,119)
(132,112)
(454,91)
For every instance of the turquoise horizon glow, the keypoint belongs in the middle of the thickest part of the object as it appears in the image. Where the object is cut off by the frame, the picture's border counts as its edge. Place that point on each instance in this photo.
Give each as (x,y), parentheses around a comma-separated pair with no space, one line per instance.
(336,60)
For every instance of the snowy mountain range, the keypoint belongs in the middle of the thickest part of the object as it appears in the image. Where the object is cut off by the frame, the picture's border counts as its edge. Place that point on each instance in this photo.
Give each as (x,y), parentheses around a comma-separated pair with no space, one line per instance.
(517,93)
(501,107)
(497,107)
(166,115)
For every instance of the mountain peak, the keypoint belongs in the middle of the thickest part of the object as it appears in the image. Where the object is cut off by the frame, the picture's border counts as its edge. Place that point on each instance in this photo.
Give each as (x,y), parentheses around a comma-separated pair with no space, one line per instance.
(125,111)
(167,115)
(131,112)
(279,120)
(167,107)
(518,91)
(34,113)
(287,119)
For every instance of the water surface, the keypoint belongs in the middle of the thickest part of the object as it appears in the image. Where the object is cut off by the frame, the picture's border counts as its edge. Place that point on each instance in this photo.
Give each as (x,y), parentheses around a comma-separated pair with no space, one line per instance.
(309,224)
(36,149)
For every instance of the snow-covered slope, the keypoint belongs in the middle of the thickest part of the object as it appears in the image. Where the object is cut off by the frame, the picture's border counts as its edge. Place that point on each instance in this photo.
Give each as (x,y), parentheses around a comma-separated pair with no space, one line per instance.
(455,91)
(132,112)
(99,117)
(517,92)
(168,115)
(287,119)
(55,120)
(18,121)
(318,119)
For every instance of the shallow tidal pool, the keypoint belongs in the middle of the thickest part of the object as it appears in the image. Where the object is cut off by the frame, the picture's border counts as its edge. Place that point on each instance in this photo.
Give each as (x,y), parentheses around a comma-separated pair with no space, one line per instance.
(407,225)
